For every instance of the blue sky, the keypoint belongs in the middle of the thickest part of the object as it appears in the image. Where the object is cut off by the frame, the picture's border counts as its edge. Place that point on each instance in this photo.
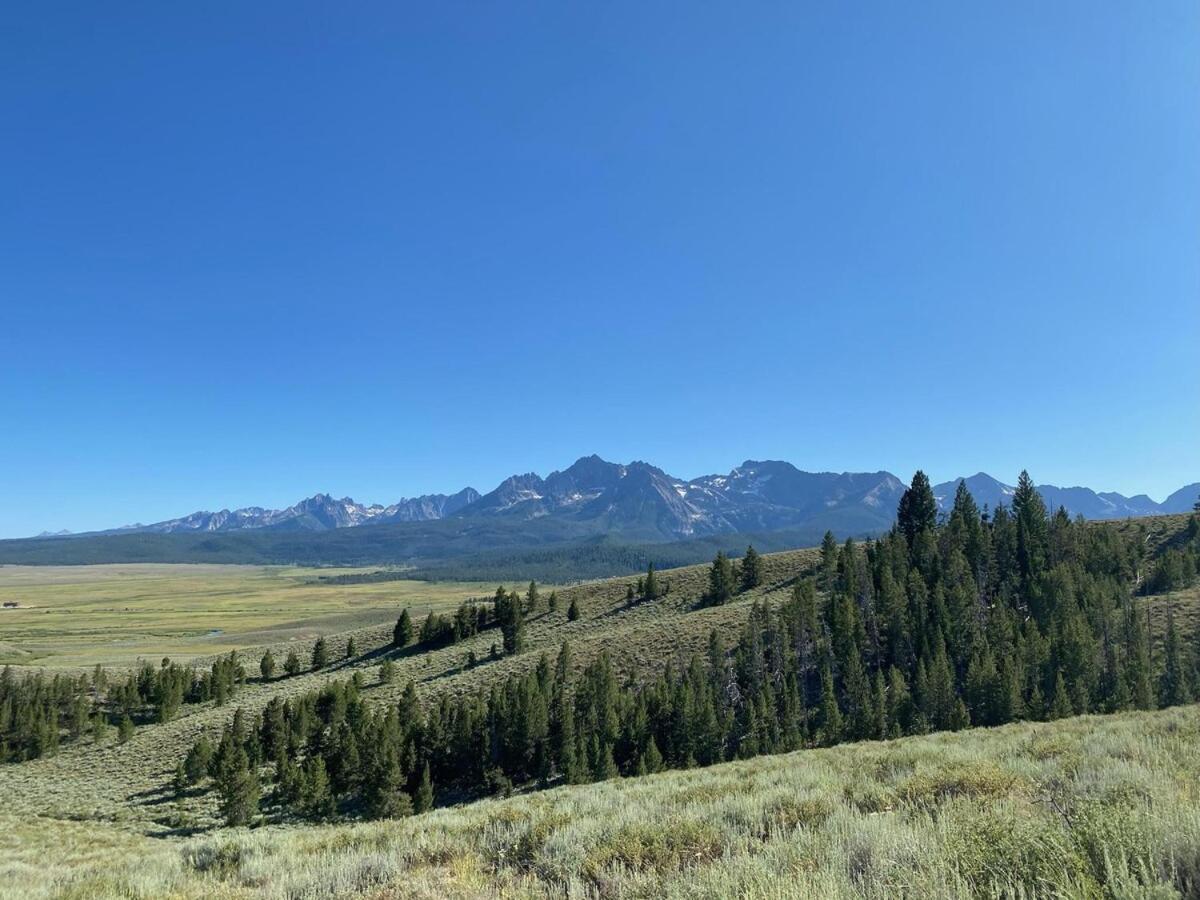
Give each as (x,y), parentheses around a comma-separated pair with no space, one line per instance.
(253,251)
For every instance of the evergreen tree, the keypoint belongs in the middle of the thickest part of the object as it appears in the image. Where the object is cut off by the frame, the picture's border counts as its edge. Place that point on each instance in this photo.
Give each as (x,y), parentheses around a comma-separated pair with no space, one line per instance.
(918,509)
(552,603)
(1173,688)
(179,781)
(387,672)
(124,729)
(511,617)
(291,665)
(402,634)
(266,666)
(830,715)
(320,654)
(423,798)
(751,571)
(316,796)
(199,758)
(237,786)
(351,648)
(573,610)
(721,582)
(900,704)
(860,708)
(1060,705)
(531,598)
(829,557)
(651,758)
(1032,530)
(650,588)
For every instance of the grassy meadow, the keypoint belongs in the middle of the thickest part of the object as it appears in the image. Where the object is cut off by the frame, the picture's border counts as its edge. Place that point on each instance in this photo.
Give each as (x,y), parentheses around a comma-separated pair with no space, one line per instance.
(115,614)
(1104,807)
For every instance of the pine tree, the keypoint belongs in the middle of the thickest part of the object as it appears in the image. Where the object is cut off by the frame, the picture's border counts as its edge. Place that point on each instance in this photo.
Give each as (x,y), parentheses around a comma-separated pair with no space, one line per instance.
(124,729)
(918,509)
(266,666)
(291,665)
(351,648)
(423,798)
(237,786)
(552,603)
(829,557)
(751,571)
(179,781)
(531,598)
(1173,689)
(316,796)
(199,758)
(320,654)
(387,672)
(860,708)
(721,582)
(99,728)
(1032,531)
(651,758)
(573,610)
(384,794)
(402,634)
(830,716)
(900,704)
(1060,705)
(650,589)
(511,617)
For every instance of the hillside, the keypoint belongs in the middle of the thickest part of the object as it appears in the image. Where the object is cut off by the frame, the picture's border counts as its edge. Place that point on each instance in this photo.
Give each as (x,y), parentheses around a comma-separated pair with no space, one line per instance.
(898,811)
(1091,806)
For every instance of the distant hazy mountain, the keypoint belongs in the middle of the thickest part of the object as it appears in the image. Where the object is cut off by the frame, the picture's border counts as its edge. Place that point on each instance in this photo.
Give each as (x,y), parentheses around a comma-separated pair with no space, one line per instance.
(642,502)
(1076,500)
(1183,500)
(320,512)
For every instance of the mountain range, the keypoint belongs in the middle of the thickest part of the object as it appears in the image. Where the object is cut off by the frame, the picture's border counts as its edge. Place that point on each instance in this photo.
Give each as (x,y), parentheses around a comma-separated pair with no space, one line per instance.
(321,512)
(639,500)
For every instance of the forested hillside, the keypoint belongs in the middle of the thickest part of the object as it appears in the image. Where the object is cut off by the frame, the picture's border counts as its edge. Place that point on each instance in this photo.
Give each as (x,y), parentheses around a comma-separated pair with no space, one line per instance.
(978,620)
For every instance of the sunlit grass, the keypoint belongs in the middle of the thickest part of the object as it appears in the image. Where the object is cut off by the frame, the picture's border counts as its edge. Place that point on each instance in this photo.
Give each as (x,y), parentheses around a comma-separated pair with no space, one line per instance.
(116,614)
(1086,807)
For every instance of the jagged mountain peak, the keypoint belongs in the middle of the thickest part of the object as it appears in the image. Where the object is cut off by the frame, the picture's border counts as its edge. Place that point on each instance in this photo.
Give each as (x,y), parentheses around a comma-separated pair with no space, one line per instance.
(640,500)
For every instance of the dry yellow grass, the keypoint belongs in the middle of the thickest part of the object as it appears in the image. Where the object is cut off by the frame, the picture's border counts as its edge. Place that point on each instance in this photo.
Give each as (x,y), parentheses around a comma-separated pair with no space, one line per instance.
(116,614)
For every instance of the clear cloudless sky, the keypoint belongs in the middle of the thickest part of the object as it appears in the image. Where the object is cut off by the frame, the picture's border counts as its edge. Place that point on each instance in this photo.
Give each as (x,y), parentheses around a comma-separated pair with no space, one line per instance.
(252,251)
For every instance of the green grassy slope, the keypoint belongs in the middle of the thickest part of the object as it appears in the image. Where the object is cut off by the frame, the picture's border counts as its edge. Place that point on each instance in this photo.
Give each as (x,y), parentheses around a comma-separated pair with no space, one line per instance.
(129,781)
(1085,807)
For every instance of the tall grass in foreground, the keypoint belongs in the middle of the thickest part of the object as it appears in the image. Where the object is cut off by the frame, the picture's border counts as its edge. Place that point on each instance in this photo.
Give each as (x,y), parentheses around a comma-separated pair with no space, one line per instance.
(1086,807)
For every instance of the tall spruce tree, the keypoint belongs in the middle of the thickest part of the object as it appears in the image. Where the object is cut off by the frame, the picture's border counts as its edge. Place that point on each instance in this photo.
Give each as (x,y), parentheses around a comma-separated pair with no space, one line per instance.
(721,583)
(1173,687)
(511,618)
(751,570)
(650,587)
(320,654)
(918,508)
(402,634)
